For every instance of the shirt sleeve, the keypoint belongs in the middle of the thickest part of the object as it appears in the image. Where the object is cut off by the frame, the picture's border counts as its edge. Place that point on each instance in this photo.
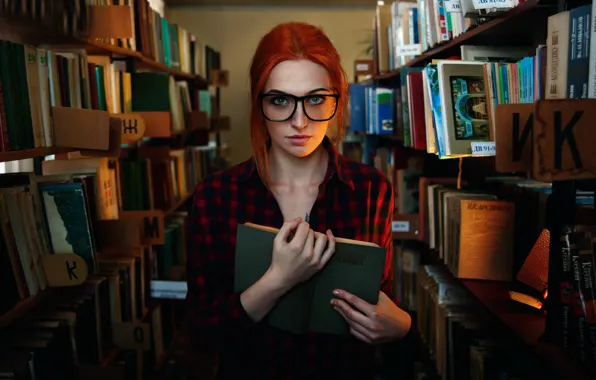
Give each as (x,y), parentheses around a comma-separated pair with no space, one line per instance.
(214,309)
(385,208)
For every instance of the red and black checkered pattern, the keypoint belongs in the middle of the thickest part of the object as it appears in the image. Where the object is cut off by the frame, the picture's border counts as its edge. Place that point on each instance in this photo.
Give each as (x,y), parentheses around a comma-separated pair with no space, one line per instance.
(355,201)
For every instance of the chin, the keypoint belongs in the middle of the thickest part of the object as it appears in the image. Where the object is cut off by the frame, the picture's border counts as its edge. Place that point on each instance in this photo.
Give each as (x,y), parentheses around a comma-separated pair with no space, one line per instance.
(302,150)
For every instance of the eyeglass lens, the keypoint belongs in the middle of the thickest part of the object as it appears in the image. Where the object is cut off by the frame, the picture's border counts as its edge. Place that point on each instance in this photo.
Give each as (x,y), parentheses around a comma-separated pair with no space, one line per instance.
(280,107)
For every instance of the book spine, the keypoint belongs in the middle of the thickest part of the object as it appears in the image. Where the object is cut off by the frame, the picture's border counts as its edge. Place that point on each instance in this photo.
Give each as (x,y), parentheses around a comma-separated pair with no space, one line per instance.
(592,59)
(578,55)
(557,48)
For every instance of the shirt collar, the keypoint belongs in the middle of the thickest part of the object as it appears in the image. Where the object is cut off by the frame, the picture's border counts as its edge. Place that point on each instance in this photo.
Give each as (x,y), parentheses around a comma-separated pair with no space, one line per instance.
(337,165)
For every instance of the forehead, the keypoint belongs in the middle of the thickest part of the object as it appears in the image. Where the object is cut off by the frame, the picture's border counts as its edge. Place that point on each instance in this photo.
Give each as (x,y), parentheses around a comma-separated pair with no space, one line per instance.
(298,77)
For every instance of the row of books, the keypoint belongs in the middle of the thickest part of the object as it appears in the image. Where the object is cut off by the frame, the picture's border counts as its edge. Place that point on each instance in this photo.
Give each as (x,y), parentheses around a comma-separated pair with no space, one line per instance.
(448,108)
(61,217)
(463,339)
(64,211)
(70,336)
(33,80)
(405,29)
(154,36)
(159,178)
(494,231)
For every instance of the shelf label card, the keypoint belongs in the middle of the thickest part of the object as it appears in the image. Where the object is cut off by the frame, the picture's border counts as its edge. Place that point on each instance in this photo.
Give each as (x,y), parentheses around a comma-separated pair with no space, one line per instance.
(453,6)
(171,290)
(563,140)
(483,148)
(151,223)
(400,226)
(64,269)
(408,50)
(133,126)
(488,4)
(132,336)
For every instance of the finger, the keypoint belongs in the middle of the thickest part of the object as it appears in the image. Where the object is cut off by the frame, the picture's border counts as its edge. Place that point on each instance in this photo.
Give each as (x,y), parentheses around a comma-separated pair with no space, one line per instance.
(309,244)
(287,228)
(354,315)
(360,336)
(358,303)
(330,248)
(320,243)
(301,233)
(355,329)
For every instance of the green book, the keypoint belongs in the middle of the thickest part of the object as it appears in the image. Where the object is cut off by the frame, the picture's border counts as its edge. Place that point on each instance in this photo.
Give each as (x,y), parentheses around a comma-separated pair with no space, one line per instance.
(356,267)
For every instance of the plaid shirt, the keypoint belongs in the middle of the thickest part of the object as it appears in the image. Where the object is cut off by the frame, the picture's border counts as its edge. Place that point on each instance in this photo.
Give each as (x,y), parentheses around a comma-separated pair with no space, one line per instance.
(355,201)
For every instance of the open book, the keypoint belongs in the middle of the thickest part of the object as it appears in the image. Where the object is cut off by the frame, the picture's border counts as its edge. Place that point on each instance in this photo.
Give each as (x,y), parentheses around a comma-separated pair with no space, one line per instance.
(356,267)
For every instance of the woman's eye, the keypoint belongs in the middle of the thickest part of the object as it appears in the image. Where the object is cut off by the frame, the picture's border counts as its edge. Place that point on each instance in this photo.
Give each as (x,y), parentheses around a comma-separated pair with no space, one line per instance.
(316,100)
(280,101)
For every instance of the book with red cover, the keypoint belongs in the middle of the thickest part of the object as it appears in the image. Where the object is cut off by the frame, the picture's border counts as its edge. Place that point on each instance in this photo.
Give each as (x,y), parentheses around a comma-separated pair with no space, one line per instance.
(416,104)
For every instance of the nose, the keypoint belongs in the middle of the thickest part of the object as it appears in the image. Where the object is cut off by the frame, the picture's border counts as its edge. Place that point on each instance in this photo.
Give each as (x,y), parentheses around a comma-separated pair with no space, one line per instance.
(299,119)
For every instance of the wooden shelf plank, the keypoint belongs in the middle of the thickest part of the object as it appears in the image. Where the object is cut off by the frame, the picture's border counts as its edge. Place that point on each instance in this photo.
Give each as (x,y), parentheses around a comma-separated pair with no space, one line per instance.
(31,153)
(19,310)
(495,297)
(25,31)
(525,324)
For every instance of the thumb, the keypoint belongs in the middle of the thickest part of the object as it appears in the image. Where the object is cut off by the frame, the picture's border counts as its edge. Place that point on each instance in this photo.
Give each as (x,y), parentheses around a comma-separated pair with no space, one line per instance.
(287,228)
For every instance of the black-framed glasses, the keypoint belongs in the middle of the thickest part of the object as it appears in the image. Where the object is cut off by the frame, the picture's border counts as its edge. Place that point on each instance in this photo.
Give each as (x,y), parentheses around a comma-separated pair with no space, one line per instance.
(278,107)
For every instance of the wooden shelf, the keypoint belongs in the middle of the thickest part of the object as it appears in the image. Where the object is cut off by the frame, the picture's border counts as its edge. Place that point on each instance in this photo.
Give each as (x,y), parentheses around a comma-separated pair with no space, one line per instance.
(14,155)
(25,31)
(509,26)
(99,48)
(495,297)
(20,309)
(528,326)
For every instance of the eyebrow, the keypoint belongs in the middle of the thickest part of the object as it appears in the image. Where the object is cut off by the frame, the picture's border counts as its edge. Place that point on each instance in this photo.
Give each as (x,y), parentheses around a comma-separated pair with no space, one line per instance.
(275,91)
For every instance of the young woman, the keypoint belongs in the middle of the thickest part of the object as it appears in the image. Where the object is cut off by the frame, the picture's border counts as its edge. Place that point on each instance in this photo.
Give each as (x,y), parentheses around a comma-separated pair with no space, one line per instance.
(299,93)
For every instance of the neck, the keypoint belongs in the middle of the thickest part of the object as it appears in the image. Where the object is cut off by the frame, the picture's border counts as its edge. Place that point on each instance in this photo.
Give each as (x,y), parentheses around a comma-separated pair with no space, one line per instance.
(285,169)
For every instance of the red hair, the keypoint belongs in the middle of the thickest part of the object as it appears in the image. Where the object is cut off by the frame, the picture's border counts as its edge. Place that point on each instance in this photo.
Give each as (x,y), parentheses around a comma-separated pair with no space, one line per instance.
(290,41)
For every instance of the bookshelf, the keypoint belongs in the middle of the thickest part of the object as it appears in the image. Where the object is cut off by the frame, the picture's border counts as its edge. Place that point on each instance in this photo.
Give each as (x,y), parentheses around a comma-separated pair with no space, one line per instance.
(118,120)
(513,286)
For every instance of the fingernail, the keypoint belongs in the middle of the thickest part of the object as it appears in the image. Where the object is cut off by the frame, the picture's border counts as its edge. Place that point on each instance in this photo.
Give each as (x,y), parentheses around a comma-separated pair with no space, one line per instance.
(336,292)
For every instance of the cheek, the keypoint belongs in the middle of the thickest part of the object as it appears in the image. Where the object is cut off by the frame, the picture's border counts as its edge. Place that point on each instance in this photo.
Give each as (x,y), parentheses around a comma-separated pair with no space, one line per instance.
(275,130)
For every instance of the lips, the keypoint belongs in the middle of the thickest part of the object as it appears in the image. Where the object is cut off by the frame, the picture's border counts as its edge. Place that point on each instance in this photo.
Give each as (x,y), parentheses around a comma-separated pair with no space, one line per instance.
(299,139)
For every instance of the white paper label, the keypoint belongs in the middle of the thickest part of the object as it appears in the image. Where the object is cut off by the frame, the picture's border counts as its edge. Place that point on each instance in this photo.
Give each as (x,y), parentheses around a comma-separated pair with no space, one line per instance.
(487,4)
(173,290)
(400,226)
(453,6)
(362,67)
(483,148)
(407,50)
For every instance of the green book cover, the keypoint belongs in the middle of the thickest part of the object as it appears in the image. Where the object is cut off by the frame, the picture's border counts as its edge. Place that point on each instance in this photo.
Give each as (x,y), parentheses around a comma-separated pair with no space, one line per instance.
(356,267)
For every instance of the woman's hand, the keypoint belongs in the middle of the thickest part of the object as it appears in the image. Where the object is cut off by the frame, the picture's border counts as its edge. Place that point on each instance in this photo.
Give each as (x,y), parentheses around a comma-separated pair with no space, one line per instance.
(372,324)
(305,254)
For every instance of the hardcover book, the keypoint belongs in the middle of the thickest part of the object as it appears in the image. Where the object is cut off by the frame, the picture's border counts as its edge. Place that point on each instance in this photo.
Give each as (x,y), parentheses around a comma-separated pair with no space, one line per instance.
(356,267)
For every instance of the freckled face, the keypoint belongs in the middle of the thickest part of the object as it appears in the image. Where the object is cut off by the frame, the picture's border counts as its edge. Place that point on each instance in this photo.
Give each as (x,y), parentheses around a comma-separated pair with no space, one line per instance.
(289,120)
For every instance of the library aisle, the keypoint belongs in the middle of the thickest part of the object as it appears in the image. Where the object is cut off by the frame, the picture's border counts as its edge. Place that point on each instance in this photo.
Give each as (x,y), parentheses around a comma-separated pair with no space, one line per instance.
(479,112)
(109,117)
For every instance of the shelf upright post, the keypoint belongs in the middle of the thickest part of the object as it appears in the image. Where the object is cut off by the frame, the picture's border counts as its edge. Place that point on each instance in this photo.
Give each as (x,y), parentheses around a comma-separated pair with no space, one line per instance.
(560,215)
